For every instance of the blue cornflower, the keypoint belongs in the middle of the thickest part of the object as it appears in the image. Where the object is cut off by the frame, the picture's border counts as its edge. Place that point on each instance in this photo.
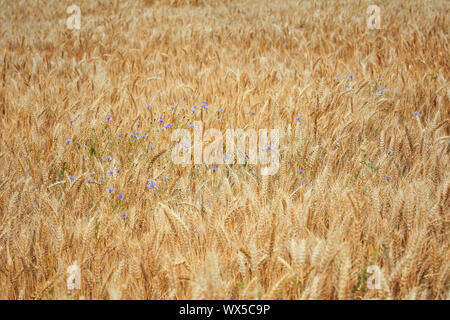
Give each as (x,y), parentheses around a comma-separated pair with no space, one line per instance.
(186,146)
(138,124)
(161,119)
(298,118)
(110,172)
(182,104)
(168,125)
(108,158)
(267,148)
(124,215)
(383,88)
(206,107)
(151,184)
(203,101)
(246,155)
(108,118)
(151,147)
(301,171)
(88,180)
(121,195)
(214,168)
(144,136)
(71,121)
(69,140)
(209,203)
(173,107)
(302,181)
(351,75)
(416,113)
(119,134)
(227,156)
(191,126)
(72,177)
(220,110)
(388,176)
(195,106)
(118,170)
(110,190)
(193,111)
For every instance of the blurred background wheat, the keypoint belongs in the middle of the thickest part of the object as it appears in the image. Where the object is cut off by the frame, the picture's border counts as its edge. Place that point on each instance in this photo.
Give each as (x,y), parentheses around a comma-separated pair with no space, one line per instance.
(86,119)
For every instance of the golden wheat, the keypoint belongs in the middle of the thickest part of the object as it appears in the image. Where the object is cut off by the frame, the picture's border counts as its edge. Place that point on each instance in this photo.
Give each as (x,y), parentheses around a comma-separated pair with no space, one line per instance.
(363,178)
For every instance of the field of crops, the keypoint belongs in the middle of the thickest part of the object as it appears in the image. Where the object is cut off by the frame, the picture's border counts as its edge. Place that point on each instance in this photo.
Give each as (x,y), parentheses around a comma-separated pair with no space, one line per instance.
(357,206)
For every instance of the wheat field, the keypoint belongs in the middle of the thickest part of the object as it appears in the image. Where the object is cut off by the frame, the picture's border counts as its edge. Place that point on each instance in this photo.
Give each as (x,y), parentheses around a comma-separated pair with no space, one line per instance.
(86,175)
